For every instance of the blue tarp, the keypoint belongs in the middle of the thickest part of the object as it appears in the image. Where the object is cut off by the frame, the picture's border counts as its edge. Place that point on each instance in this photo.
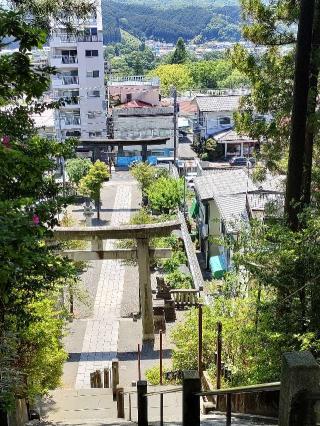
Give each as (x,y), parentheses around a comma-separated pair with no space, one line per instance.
(217,266)
(126,161)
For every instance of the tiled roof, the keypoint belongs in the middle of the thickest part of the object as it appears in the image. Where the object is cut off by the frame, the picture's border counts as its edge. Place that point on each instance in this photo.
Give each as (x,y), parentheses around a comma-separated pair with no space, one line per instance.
(187,108)
(232,208)
(229,189)
(135,104)
(223,182)
(217,103)
(232,136)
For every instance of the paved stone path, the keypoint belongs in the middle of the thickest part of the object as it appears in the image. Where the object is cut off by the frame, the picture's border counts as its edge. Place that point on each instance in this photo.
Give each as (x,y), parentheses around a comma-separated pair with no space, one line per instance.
(101,335)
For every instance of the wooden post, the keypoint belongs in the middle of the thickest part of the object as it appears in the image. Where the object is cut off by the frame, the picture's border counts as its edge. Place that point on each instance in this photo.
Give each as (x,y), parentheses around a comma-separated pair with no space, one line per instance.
(228,410)
(142,403)
(92,380)
(219,350)
(161,409)
(98,379)
(106,378)
(200,369)
(190,401)
(144,153)
(130,417)
(161,357)
(139,363)
(120,403)
(115,377)
(145,289)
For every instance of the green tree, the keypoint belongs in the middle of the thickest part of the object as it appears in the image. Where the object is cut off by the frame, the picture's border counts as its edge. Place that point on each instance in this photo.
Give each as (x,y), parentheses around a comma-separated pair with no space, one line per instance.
(180,54)
(91,184)
(77,168)
(165,194)
(177,75)
(145,174)
(31,272)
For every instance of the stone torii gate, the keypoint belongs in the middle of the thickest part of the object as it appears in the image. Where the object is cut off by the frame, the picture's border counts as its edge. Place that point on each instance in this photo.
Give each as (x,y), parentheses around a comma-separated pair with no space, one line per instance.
(142,253)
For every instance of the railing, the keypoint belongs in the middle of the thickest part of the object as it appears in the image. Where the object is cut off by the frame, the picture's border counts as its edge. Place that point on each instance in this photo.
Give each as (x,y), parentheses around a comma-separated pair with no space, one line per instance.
(65,80)
(69,100)
(264,387)
(73,121)
(185,298)
(134,79)
(65,59)
(89,38)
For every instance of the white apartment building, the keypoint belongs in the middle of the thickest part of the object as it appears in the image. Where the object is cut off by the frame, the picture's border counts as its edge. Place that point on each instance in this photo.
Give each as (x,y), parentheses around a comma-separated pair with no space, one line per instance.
(79,81)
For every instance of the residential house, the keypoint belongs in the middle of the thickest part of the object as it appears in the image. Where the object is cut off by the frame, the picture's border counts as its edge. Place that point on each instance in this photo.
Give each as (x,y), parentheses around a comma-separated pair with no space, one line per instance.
(235,144)
(137,112)
(225,200)
(214,114)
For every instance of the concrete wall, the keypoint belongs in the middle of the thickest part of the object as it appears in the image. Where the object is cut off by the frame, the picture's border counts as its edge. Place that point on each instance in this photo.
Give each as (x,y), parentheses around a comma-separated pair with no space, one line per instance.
(211,121)
(141,92)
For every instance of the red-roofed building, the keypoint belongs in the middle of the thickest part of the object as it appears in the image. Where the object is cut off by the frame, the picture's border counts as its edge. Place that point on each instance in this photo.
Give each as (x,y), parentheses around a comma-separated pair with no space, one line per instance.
(136,112)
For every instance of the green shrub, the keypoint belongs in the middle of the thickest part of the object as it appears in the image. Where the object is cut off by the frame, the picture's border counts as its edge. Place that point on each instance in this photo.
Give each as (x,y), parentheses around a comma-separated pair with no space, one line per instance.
(165,194)
(177,279)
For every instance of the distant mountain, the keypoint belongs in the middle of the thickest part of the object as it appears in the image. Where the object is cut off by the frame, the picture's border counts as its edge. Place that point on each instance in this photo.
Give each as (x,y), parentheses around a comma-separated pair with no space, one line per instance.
(168,24)
(169,4)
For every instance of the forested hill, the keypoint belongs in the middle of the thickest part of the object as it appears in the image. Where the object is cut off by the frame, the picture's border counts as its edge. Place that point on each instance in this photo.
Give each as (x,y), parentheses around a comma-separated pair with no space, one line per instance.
(214,23)
(169,4)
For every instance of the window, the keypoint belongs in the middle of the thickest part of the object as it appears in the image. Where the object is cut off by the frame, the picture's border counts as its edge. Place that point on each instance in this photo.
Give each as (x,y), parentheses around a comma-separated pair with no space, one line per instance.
(224,121)
(91,53)
(94,93)
(129,97)
(75,133)
(93,114)
(95,134)
(93,74)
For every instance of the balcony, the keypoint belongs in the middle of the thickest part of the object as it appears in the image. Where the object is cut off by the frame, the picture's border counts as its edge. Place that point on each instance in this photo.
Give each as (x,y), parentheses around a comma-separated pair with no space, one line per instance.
(59,60)
(89,38)
(63,39)
(68,101)
(62,81)
(72,121)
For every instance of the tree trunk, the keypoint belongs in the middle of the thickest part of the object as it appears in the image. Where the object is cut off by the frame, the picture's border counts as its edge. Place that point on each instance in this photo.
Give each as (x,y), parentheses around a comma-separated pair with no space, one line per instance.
(313,94)
(299,114)
(98,207)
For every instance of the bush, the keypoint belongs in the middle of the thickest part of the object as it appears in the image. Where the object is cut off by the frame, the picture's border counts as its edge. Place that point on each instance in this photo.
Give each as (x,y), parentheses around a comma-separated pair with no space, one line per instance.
(153,376)
(177,279)
(170,265)
(77,168)
(165,194)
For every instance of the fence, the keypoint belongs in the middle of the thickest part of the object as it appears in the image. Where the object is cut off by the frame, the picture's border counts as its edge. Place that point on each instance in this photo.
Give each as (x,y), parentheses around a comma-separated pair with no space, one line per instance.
(299,392)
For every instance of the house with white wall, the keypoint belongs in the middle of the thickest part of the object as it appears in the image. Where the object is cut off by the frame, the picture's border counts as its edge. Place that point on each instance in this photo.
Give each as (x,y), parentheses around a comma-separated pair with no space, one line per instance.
(215,113)
(226,200)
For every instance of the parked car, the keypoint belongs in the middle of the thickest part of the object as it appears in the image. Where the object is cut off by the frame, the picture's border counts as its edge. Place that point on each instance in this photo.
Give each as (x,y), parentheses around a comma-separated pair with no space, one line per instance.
(251,162)
(238,161)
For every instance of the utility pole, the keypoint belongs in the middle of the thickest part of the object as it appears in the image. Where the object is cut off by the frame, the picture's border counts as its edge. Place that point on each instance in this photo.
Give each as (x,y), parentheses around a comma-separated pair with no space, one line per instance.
(175,111)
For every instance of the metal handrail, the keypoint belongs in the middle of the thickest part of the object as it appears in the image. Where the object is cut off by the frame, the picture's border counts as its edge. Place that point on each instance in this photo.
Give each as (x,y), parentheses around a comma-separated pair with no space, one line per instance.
(263,387)
(164,392)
